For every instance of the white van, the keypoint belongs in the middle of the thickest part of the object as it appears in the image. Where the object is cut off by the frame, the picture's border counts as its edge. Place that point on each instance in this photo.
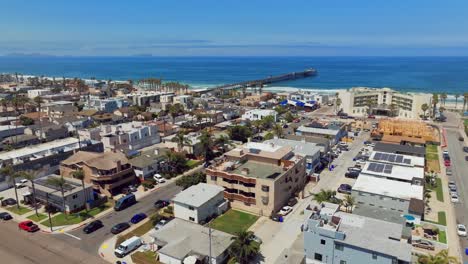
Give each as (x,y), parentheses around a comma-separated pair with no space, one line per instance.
(127,246)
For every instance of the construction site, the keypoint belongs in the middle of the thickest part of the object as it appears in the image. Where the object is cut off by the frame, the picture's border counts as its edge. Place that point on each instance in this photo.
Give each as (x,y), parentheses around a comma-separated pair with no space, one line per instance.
(405,132)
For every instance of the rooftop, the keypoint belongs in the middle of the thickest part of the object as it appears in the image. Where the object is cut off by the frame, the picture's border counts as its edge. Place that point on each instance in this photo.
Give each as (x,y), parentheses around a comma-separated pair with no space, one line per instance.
(314,130)
(402,160)
(198,195)
(395,148)
(71,185)
(148,157)
(31,150)
(258,170)
(299,147)
(390,188)
(270,150)
(180,238)
(393,171)
(103,161)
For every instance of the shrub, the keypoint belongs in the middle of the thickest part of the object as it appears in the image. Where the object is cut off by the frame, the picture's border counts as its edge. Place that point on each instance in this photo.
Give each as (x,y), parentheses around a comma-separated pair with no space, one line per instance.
(169,210)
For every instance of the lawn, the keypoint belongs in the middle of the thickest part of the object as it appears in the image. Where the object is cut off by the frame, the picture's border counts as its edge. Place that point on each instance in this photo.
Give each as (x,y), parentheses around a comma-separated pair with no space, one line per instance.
(21,211)
(145,257)
(432,156)
(61,219)
(193,163)
(437,189)
(442,219)
(36,218)
(431,149)
(442,237)
(234,221)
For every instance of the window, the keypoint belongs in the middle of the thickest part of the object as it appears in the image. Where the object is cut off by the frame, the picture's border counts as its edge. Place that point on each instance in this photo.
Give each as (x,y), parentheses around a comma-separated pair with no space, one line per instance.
(323,242)
(191,219)
(342,262)
(75,196)
(339,247)
(191,208)
(265,188)
(318,256)
(374,256)
(213,178)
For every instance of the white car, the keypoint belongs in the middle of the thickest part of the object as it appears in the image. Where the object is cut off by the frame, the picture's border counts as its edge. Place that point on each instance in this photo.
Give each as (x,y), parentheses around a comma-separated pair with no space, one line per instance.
(454,198)
(21,183)
(445,152)
(158,178)
(461,230)
(285,210)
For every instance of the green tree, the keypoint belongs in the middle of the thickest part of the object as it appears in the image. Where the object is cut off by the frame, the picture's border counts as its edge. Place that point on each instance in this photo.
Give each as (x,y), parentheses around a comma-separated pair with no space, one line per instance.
(435,101)
(60,183)
(424,107)
(325,196)
(12,175)
(440,258)
(349,202)
(269,136)
(278,130)
(223,142)
(456,100)
(280,109)
(289,117)
(26,121)
(189,180)
(79,175)
(38,101)
(177,163)
(465,100)
(239,133)
(206,144)
(244,248)
(443,97)
(31,176)
(267,122)
(181,140)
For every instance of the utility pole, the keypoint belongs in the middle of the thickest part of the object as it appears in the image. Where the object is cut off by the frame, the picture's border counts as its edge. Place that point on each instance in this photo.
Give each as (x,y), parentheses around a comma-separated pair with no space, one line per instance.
(48,211)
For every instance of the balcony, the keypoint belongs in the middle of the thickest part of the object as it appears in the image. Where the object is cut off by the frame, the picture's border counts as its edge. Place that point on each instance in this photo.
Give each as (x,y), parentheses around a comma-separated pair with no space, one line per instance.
(222,174)
(239,197)
(121,173)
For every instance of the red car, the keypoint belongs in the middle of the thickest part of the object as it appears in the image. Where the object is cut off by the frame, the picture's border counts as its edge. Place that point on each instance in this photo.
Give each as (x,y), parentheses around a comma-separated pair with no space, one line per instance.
(28,226)
(447,163)
(371,117)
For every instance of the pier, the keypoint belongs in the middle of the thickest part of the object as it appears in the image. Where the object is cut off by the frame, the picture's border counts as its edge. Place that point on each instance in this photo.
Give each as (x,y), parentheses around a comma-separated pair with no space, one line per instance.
(260,82)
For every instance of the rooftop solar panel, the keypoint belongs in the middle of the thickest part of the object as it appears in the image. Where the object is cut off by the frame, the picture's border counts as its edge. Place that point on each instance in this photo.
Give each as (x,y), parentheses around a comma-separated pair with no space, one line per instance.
(372,166)
(388,169)
(399,158)
(407,161)
(385,156)
(378,156)
(379,167)
(391,158)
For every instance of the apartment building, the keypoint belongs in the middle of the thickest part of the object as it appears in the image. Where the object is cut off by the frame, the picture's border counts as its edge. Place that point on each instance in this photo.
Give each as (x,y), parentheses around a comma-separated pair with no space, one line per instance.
(145,98)
(333,236)
(334,131)
(259,114)
(108,105)
(310,151)
(38,92)
(359,101)
(309,96)
(9,130)
(108,172)
(185,100)
(200,202)
(149,162)
(259,178)
(58,109)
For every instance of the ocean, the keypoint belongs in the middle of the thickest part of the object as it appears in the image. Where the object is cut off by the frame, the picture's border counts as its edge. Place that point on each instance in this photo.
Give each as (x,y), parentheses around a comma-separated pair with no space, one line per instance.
(415,74)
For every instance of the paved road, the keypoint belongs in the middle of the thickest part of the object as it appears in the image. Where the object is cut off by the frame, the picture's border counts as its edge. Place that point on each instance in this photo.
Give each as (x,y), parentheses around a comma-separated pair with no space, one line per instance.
(37,248)
(91,242)
(460,176)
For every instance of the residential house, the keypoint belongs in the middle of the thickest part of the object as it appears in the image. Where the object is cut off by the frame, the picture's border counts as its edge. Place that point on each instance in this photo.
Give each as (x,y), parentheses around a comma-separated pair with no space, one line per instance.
(259,114)
(149,162)
(58,109)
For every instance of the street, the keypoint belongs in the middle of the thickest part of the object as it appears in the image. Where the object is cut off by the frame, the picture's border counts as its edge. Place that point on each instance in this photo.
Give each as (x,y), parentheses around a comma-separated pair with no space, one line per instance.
(27,248)
(91,242)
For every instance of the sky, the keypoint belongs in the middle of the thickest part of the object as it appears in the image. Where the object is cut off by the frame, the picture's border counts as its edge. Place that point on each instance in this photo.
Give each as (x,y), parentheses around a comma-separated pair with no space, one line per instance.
(235,28)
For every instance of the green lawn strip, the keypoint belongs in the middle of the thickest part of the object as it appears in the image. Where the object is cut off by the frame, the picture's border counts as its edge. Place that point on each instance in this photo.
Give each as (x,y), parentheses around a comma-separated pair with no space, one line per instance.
(438,190)
(442,237)
(442,218)
(234,221)
(139,231)
(21,211)
(431,149)
(36,218)
(75,218)
(145,257)
(432,156)
(193,163)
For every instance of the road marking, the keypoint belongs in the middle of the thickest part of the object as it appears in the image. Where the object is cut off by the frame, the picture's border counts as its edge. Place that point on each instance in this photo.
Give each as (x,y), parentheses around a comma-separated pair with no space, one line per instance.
(70,235)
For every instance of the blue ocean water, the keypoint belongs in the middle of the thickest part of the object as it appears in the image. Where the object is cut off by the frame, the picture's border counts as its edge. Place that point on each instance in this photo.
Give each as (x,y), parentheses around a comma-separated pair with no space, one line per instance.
(420,74)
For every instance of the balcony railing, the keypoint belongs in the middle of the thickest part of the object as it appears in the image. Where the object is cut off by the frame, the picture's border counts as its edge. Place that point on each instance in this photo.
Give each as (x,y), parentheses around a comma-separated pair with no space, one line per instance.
(239,197)
(236,177)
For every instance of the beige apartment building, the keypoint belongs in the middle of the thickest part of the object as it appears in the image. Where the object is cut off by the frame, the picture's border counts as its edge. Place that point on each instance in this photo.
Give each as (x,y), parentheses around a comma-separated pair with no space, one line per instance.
(259,178)
(108,172)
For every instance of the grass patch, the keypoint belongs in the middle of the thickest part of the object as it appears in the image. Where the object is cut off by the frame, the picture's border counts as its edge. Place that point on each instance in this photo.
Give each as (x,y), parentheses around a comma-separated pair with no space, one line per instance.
(442,237)
(139,231)
(433,165)
(437,189)
(442,219)
(36,218)
(431,149)
(193,163)
(145,257)
(62,220)
(234,221)
(432,156)
(21,211)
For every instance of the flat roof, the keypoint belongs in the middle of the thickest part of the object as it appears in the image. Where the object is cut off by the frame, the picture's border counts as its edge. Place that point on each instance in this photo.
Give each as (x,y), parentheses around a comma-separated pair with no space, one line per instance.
(322,131)
(396,148)
(71,185)
(400,159)
(392,171)
(198,195)
(180,238)
(299,147)
(30,150)
(148,157)
(259,170)
(390,188)
(270,151)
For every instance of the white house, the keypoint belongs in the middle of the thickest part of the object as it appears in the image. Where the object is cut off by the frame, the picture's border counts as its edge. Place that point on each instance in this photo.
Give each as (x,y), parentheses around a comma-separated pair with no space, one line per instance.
(200,202)
(258,114)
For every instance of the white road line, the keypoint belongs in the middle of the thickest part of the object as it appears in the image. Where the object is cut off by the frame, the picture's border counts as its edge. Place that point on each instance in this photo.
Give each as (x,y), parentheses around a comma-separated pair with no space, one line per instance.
(70,235)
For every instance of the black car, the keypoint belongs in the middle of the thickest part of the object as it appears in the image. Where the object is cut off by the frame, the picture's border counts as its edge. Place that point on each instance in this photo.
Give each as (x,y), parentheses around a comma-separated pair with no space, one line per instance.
(466,158)
(345,188)
(351,174)
(118,228)
(9,201)
(161,204)
(292,202)
(5,216)
(93,226)
(465,149)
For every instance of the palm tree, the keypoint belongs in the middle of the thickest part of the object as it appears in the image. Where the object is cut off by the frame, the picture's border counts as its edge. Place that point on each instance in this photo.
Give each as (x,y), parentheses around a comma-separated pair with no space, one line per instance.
(223,141)
(424,107)
(79,174)
(278,130)
(369,104)
(12,175)
(181,140)
(206,143)
(243,248)
(38,101)
(337,103)
(31,176)
(60,183)
(435,101)
(443,97)
(440,258)
(465,100)
(456,100)
(349,202)
(324,196)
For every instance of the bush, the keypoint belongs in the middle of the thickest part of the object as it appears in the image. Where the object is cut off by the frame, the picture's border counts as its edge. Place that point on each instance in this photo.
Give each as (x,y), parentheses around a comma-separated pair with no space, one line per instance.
(156,218)
(148,185)
(189,180)
(169,210)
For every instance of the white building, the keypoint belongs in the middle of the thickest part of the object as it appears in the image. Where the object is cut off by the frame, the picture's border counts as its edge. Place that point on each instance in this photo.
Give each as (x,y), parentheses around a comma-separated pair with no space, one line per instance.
(382,101)
(38,92)
(259,114)
(310,151)
(200,202)
(308,96)
(58,109)
(185,100)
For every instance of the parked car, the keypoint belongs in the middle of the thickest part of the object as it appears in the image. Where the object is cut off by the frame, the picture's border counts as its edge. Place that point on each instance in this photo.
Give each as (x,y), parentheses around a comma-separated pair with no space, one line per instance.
(28,225)
(352,174)
(132,188)
(356,169)
(461,230)
(161,224)
(161,204)
(445,152)
(454,198)
(8,201)
(118,228)
(460,138)
(292,201)
(93,226)
(465,149)
(127,246)
(466,158)
(5,216)
(448,171)
(21,183)
(371,116)
(447,163)
(423,244)
(452,187)
(345,188)
(275,217)
(137,218)
(159,179)
(257,239)
(285,210)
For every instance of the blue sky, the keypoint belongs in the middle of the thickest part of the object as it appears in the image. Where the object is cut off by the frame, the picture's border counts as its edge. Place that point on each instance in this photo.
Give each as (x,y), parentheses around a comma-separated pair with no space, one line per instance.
(235,28)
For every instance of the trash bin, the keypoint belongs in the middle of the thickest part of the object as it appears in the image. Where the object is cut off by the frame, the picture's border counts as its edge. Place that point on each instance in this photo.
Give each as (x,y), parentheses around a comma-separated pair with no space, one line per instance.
(281,219)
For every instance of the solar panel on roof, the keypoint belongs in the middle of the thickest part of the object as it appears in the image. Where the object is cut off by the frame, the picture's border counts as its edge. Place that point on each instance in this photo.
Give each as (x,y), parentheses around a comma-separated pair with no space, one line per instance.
(399,158)
(391,158)
(407,161)
(372,166)
(379,167)
(388,169)
(378,156)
